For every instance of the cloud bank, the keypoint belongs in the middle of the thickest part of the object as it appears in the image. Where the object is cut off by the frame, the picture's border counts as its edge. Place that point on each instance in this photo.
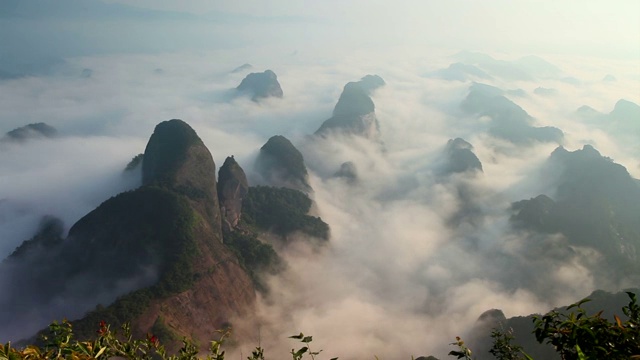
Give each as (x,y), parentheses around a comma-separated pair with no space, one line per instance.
(415,257)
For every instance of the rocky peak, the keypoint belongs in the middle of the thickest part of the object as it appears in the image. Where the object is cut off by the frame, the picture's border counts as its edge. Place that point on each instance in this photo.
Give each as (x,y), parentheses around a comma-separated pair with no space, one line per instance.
(354,101)
(626,108)
(177,159)
(355,111)
(261,85)
(625,119)
(281,164)
(232,188)
(460,157)
(371,82)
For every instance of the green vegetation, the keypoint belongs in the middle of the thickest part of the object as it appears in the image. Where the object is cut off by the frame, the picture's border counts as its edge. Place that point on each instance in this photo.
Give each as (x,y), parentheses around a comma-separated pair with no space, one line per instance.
(154,227)
(282,211)
(48,236)
(135,162)
(162,331)
(254,255)
(575,336)
(61,343)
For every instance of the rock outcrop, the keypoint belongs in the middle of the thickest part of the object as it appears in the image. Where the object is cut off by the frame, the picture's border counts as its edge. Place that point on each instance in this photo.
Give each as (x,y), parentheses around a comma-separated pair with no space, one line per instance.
(355,111)
(261,85)
(281,164)
(232,189)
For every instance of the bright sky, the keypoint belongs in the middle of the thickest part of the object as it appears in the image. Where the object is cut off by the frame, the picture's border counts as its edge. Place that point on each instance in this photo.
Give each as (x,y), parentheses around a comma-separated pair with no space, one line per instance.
(596,27)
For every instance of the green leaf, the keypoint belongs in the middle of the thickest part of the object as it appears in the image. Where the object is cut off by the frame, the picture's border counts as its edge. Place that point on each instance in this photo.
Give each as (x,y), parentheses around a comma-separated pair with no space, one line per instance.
(301,351)
(100,352)
(300,336)
(581,355)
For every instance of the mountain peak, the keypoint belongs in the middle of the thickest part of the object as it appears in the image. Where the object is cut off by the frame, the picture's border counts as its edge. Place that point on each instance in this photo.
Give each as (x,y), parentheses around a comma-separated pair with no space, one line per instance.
(281,164)
(355,111)
(31,131)
(177,159)
(460,157)
(261,85)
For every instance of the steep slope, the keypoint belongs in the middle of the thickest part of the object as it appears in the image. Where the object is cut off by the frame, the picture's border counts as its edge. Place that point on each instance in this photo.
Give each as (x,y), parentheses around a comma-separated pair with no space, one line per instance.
(355,112)
(157,249)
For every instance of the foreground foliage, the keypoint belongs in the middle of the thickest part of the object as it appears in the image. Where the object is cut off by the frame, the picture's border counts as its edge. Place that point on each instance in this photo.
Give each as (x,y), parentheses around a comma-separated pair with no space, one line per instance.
(574,335)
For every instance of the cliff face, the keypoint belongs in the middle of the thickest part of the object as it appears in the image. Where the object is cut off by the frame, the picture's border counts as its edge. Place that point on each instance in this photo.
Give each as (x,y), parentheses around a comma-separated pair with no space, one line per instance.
(157,250)
(232,188)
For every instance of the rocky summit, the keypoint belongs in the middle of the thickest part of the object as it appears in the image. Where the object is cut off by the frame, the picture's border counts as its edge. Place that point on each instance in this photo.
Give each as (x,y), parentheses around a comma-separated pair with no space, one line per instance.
(459,157)
(261,85)
(281,164)
(355,111)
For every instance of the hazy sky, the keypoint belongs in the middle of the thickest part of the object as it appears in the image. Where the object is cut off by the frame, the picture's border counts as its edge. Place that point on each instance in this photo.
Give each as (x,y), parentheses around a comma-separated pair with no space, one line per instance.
(604,28)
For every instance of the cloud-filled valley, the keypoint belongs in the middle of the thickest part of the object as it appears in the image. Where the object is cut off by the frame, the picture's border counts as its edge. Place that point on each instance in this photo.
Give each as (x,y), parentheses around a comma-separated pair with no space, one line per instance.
(417,251)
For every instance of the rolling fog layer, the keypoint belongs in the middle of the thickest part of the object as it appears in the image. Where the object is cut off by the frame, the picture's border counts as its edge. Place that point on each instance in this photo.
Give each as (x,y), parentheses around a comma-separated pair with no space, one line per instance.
(398,277)
(414,256)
